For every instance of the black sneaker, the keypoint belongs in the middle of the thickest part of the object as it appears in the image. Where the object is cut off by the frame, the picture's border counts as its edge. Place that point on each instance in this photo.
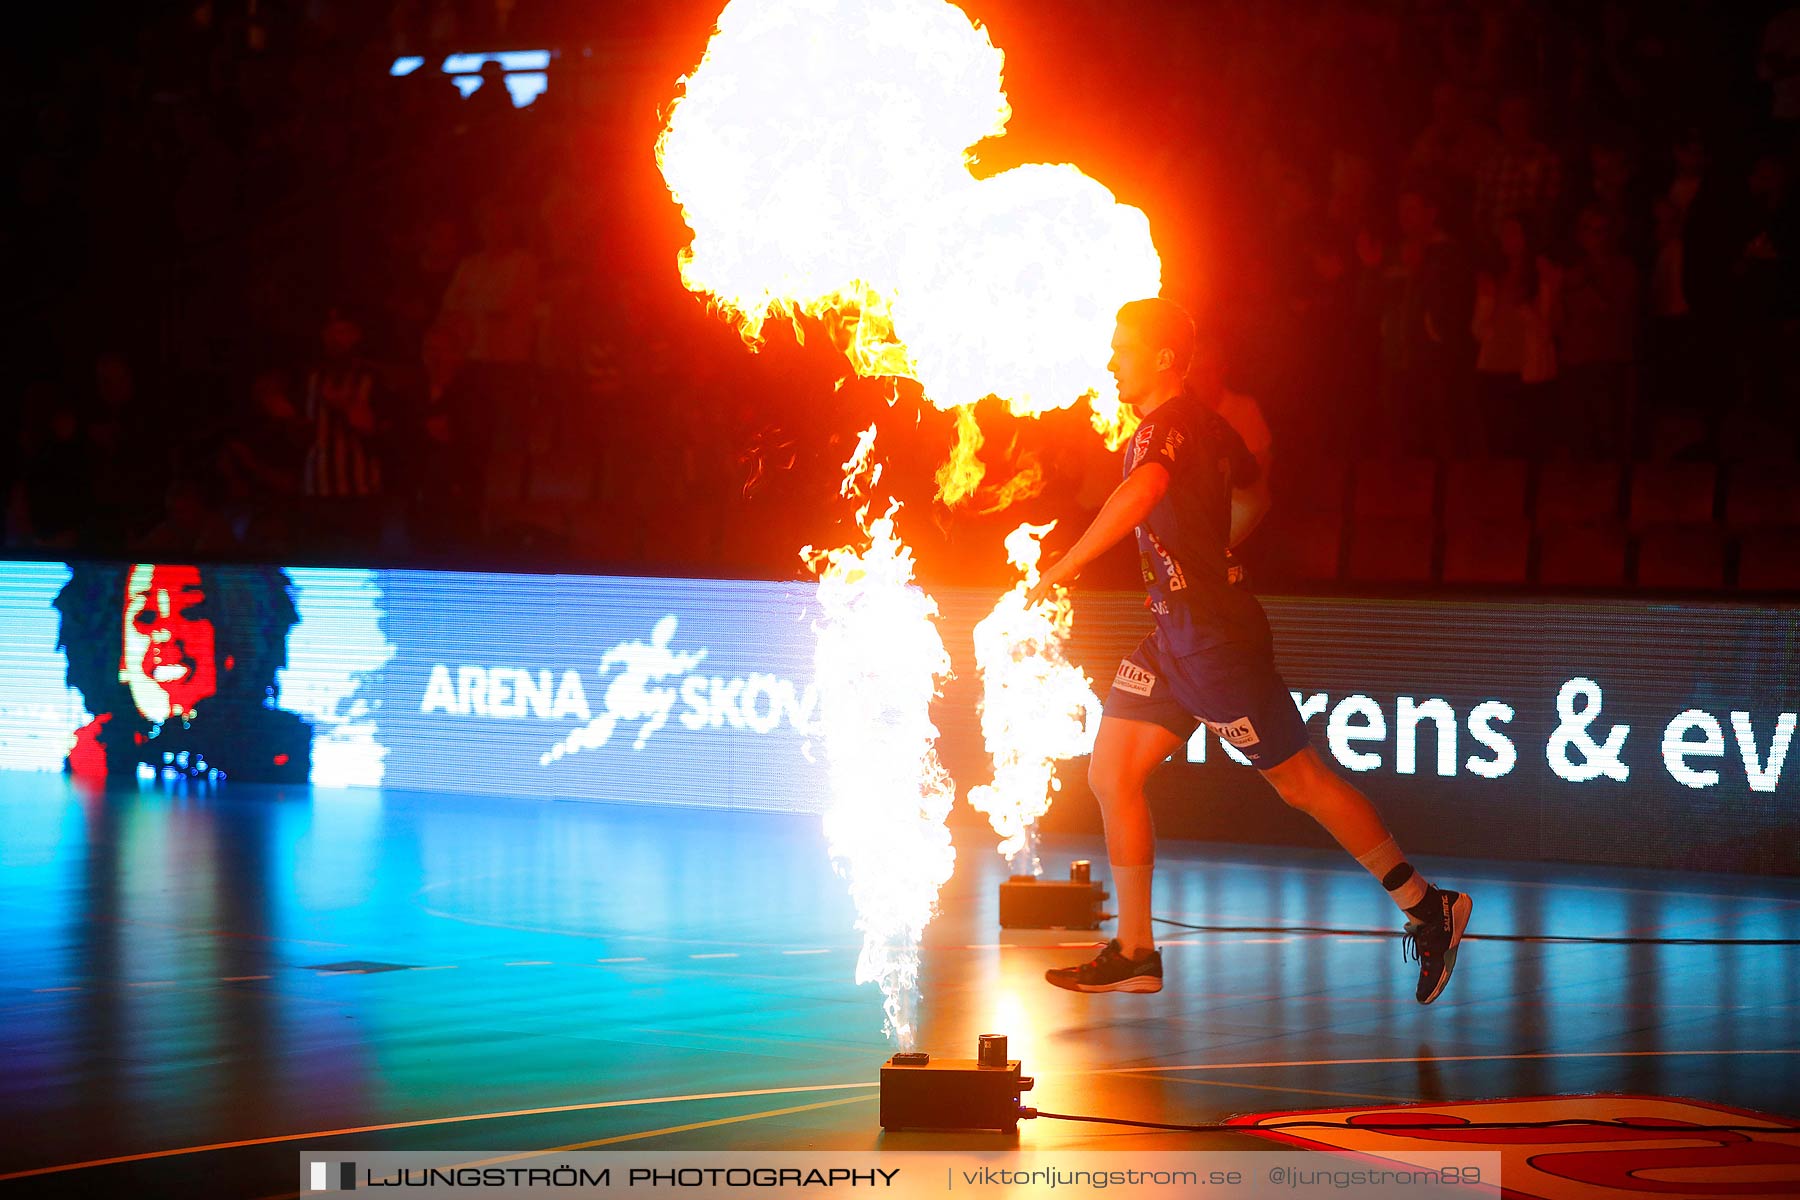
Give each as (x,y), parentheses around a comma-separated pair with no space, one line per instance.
(1433,939)
(1111,972)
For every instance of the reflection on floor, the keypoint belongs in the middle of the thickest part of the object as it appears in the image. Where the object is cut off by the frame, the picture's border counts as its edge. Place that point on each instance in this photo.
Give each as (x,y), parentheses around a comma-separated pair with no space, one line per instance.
(201,985)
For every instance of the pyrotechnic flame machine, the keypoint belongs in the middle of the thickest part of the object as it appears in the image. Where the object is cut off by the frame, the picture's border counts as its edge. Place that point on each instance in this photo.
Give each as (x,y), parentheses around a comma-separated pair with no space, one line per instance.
(1027,902)
(922,1092)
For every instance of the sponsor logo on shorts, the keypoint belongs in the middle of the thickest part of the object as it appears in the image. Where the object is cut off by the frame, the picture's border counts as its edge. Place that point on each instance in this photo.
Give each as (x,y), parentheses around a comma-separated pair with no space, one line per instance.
(1134,679)
(1239,733)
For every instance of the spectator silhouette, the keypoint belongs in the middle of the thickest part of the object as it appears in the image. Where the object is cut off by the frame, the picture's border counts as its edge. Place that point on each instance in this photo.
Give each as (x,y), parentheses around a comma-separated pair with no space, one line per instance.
(123,474)
(444,431)
(1522,177)
(342,471)
(1768,281)
(1422,297)
(52,500)
(191,525)
(1516,303)
(261,463)
(1453,148)
(1598,338)
(494,295)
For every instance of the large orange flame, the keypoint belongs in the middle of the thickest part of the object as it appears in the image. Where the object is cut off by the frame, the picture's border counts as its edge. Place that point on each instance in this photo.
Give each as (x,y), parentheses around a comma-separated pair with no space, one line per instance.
(820,154)
(963,471)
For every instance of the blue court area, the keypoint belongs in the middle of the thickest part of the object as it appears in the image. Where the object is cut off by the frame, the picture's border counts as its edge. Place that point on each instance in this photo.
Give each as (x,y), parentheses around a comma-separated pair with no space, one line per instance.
(200,984)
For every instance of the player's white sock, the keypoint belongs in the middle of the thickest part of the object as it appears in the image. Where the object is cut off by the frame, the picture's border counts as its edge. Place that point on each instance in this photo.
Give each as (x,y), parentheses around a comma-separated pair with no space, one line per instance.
(1405,886)
(1131,887)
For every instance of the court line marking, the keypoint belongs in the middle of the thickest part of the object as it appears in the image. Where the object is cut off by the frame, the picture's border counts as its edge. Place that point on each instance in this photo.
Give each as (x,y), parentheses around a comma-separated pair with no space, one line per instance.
(1268,1087)
(617,960)
(1548,939)
(1488,880)
(1435,1058)
(218,933)
(580,933)
(1202,862)
(650,1133)
(1779,906)
(276,1139)
(730,955)
(821,951)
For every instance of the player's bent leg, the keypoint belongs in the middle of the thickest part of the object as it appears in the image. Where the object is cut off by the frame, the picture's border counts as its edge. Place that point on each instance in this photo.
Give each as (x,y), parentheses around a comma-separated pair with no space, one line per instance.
(1308,784)
(1436,917)
(1125,753)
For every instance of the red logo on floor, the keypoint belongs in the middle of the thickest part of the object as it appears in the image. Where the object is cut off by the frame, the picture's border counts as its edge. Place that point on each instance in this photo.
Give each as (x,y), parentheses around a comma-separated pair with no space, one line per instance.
(1579,1162)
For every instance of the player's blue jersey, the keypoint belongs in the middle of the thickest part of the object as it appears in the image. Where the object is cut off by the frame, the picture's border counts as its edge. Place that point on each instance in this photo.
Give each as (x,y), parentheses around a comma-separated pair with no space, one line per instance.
(1195,590)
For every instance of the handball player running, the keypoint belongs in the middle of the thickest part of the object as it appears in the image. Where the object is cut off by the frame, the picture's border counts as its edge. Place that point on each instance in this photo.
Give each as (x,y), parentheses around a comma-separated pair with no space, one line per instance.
(1191,490)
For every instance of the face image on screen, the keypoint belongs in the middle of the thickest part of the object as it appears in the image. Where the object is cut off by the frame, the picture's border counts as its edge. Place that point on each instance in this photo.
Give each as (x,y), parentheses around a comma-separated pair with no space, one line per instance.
(178,663)
(170,662)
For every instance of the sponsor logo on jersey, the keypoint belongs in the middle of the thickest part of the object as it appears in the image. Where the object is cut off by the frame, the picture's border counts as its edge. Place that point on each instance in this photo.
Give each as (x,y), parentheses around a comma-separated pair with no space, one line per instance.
(1134,679)
(1239,733)
(1171,568)
(1140,445)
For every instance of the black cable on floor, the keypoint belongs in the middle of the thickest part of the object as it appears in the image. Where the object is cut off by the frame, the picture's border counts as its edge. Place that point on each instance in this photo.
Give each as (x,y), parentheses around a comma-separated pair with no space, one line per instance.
(1416,1126)
(1487,937)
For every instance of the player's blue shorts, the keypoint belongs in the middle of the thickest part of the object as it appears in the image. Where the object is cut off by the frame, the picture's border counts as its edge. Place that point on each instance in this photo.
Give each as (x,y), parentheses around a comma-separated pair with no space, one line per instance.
(1233,688)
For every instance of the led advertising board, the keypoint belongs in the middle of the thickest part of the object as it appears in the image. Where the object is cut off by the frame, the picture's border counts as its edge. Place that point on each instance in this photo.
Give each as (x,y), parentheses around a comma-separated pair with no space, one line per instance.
(1611,731)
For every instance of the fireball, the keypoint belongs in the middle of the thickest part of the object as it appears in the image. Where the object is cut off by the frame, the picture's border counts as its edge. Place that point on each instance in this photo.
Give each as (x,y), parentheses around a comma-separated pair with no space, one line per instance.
(820,153)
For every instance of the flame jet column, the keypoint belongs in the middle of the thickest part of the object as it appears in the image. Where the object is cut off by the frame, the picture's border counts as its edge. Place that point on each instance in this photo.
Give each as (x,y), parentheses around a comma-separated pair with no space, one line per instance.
(878,664)
(1036,707)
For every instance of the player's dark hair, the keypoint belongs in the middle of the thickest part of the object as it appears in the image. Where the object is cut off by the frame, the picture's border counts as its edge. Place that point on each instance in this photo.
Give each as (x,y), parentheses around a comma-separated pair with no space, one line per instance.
(251,608)
(1163,325)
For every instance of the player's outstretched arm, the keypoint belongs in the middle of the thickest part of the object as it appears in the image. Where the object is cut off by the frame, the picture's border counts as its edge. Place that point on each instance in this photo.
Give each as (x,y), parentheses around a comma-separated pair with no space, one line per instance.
(1123,511)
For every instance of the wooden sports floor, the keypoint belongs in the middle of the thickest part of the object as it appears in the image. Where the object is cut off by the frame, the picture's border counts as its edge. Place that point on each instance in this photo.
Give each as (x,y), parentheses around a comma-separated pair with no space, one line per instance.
(196,987)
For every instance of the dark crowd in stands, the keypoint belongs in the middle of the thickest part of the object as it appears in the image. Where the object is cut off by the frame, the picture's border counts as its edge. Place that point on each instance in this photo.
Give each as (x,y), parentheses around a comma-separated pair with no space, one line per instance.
(1513,283)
